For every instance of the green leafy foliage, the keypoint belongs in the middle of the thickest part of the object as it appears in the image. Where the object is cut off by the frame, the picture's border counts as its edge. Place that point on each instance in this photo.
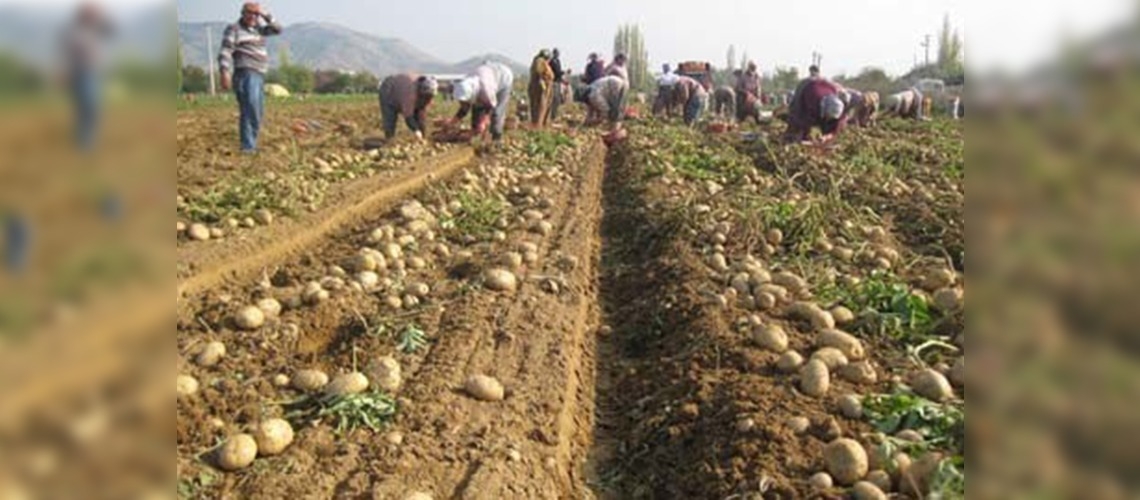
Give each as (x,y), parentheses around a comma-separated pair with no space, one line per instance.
(477,217)
(348,412)
(412,339)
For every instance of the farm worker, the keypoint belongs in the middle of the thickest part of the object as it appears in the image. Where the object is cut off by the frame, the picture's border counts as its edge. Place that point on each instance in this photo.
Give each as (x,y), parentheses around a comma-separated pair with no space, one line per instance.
(694,96)
(243,62)
(409,95)
(860,106)
(905,104)
(541,88)
(486,92)
(617,68)
(595,69)
(558,96)
(816,104)
(724,101)
(606,97)
(83,44)
(663,102)
(747,91)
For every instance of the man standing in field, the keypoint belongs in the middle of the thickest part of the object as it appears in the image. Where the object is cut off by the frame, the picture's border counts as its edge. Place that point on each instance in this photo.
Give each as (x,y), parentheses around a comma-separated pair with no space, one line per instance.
(486,94)
(243,62)
(663,102)
(408,95)
(83,43)
(558,94)
(541,87)
(595,69)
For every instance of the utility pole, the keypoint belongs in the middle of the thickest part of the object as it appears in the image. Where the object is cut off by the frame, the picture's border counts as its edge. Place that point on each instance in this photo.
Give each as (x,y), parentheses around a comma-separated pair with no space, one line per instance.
(926,45)
(210,57)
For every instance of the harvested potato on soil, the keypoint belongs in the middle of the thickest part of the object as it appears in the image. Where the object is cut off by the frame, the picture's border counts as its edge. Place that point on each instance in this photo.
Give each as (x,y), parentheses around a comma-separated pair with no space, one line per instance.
(310,380)
(386,374)
(846,461)
(273,436)
(851,346)
(187,386)
(830,356)
(949,299)
(238,452)
(789,362)
(932,385)
(347,384)
(270,306)
(501,280)
(880,478)
(249,318)
(815,379)
(211,354)
(821,481)
(958,372)
(842,315)
(851,406)
(770,337)
(859,372)
(865,490)
(484,388)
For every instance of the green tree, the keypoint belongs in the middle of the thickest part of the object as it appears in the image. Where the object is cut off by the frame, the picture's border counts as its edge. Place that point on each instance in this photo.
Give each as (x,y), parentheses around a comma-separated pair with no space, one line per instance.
(332,82)
(870,79)
(629,41)
(949,49)
(194,80)
(179,68)
(296,78)
(785,78)
(364,83)
(15,76)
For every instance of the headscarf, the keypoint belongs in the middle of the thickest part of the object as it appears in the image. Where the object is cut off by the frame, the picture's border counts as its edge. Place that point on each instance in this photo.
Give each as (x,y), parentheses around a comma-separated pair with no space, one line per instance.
(427,85)
(466,88)
(831,107)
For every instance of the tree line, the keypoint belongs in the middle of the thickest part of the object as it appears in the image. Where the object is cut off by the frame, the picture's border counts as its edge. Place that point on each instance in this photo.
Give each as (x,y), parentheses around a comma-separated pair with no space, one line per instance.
(295,78)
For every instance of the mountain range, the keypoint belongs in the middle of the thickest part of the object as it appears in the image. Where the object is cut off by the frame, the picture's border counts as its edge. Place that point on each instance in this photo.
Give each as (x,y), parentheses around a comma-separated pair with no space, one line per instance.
(329,46)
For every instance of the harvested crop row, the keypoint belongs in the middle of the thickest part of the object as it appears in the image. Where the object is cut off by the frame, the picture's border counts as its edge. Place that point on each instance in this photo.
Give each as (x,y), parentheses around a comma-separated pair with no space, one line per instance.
(779,348)
(460,310)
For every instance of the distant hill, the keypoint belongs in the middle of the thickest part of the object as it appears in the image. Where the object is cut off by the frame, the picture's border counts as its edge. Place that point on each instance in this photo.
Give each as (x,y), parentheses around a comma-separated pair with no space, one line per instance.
(334,47)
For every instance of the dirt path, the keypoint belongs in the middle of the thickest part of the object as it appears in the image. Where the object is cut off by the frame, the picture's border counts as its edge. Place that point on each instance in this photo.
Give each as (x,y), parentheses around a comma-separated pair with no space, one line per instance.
(240,257)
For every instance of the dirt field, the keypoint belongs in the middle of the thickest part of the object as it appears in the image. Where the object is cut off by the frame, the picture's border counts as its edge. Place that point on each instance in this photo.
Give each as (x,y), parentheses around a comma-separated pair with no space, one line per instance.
(626,299)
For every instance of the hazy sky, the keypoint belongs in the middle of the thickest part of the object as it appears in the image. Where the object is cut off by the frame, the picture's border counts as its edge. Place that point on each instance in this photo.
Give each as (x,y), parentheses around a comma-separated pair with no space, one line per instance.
(850,34)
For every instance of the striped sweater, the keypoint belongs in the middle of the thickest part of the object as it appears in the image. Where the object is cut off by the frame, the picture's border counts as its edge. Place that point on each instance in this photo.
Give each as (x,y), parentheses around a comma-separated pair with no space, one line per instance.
(243,47)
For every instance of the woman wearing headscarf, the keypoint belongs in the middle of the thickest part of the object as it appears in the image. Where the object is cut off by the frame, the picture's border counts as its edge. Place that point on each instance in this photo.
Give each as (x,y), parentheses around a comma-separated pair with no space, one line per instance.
(409,95)
(540,89)
(606,97)
(486,94)
(694,97)
(817,103)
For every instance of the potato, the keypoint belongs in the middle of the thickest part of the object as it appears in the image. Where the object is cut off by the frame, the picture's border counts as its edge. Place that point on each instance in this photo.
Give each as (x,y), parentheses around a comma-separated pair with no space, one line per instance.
(865,490)
(910,435)
(740,283)
(949,299)
(842,315)
(939,279)
(484,388)
(880,478)
(778,292)
(813,314)
(542,227)
(764,301)
(833,358)
(845,342)
(774,236)
(512,260)
(932,385)
(393,251)
(718,262)
(418,495)
(815,379)
(237,452)
(386,373)
(270,306)
(790,281)
(851,406)
(798,425)
(859,372)
(363,261)
(419,290)
(211,354)
(843,254)
(958,372)
(771,337)
(310,380)
(187,386)
(273,436)
(821,481)
(789,362)
(347,384)
(249,318)
(846,460)
(198,232)
(368,280)
(500,280)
